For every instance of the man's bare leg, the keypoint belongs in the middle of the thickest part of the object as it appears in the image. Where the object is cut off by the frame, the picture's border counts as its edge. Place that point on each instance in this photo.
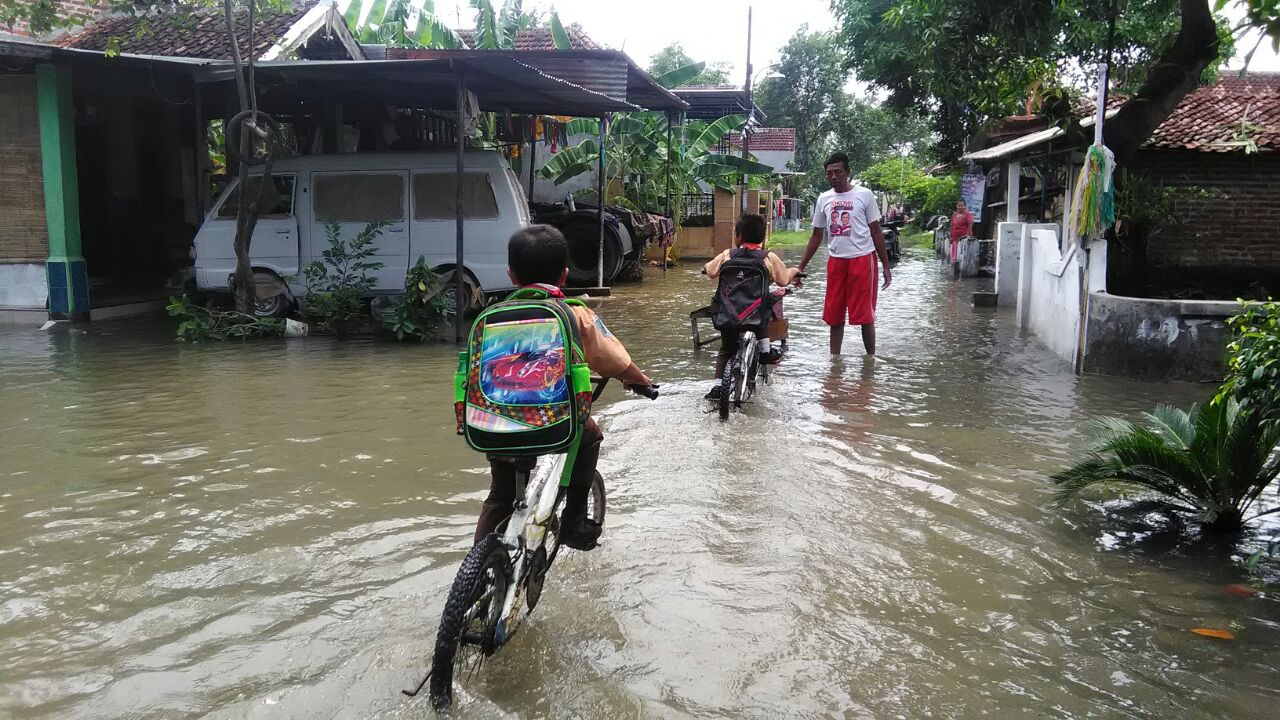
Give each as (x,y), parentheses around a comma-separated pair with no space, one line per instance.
(869,338)
(837,338)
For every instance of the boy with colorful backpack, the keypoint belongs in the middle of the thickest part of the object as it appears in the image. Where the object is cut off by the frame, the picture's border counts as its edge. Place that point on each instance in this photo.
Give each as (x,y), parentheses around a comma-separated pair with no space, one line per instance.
(525,388)
(742,301)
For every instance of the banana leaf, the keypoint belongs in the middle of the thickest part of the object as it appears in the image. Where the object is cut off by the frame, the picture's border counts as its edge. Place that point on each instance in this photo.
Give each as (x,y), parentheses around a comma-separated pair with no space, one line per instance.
(490,34)
(433,33)
(558,36)
(710,137)
(680,75)
(572,161)
(583,126)
(736,164)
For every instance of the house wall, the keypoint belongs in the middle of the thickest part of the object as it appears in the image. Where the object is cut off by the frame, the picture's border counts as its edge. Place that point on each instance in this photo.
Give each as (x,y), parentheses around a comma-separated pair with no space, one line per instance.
(24,235)
(776,159)
(1231,231)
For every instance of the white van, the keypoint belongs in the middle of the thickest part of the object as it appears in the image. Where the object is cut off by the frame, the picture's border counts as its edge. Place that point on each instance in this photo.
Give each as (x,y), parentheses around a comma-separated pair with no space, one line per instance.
(412,193)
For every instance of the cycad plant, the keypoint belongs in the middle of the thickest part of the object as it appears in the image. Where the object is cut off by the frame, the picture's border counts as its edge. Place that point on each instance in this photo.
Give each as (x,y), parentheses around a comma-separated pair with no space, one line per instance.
(1213,462)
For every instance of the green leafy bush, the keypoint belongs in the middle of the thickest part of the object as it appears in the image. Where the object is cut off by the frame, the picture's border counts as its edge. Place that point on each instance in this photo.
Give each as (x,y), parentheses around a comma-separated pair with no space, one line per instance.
(198,323)
(926,194)
(339,282)
(417,314)
(1253,358)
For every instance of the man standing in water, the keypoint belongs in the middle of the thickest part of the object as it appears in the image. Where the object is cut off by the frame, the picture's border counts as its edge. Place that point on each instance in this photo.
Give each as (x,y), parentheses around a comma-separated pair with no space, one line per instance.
(853,248)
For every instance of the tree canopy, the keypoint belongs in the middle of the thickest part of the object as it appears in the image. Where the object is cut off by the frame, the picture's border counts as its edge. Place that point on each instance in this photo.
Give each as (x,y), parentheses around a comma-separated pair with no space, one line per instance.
(966,61)
(809,95)
(674,57)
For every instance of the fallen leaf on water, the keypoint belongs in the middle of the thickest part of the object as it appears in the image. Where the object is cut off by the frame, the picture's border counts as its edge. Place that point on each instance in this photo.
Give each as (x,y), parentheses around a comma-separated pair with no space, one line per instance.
(1240,590)
(1214,633)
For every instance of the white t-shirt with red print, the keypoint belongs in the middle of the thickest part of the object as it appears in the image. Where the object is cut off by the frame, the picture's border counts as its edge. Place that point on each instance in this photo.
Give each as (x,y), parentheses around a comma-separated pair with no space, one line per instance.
(847,218)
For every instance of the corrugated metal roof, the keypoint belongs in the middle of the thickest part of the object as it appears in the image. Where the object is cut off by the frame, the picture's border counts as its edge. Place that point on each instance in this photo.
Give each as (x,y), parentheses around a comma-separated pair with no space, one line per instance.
(498,81)
(1026,142)
(608,72)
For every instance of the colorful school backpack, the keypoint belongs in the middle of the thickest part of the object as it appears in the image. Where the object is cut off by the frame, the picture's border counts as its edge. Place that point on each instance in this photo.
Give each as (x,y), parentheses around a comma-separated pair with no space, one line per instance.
(742,298)
(523,386)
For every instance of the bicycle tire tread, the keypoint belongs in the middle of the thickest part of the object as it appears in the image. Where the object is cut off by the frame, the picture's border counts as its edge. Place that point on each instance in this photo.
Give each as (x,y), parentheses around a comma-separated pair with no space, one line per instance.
(451,619)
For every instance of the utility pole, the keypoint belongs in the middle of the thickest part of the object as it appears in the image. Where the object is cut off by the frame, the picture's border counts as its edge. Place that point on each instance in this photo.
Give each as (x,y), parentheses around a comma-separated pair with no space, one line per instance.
(751,111)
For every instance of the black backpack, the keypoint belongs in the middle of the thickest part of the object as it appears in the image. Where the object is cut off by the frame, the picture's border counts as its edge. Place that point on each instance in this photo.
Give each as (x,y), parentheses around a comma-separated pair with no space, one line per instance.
(742,300)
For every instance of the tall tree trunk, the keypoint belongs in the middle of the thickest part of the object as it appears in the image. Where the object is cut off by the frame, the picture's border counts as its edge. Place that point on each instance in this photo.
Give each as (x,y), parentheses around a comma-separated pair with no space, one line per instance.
(1172,76)
(243,287)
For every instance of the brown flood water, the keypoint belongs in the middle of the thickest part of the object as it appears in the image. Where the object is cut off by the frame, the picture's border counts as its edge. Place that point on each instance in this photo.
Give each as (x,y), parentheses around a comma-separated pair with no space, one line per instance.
(268,531)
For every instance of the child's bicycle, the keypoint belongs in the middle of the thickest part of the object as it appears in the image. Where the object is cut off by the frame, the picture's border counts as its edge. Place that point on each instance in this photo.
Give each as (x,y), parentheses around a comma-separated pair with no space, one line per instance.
(738,381)
(501,578)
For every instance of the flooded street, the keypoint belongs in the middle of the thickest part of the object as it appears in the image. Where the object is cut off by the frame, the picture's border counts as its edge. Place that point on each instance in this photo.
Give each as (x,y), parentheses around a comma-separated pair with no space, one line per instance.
(268,530)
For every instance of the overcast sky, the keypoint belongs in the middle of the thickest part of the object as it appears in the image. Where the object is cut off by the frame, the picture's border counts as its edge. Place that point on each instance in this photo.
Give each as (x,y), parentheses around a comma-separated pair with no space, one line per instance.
(712,30)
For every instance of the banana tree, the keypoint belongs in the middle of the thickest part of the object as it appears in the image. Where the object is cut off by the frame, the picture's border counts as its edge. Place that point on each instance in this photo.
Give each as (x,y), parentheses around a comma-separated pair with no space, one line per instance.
(400,23)
(414,23)
(636,150)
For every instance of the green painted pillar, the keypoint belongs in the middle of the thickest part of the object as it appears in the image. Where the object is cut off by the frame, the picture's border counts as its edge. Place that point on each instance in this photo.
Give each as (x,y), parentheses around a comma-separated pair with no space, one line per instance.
(68,276)
(334,129)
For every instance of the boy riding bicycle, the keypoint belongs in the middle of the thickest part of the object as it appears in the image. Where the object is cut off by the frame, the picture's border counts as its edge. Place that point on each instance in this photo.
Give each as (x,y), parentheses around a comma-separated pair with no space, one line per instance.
(748,235)
(538,263)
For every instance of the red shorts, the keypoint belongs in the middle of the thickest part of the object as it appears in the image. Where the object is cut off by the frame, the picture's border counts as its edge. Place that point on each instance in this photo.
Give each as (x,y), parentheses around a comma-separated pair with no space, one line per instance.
(852,290)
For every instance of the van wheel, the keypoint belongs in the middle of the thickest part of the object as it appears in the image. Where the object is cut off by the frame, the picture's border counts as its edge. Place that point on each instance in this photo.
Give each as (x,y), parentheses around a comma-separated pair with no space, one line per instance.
(472,297)
(272,299)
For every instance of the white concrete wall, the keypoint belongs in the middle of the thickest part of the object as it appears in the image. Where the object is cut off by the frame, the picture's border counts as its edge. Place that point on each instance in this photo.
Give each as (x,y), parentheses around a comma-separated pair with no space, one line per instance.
(1009,258)
(1049,287)
(23,286)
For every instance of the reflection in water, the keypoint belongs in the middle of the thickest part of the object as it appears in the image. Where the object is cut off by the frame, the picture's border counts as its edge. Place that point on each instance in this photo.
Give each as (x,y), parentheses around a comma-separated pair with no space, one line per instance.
(268,530)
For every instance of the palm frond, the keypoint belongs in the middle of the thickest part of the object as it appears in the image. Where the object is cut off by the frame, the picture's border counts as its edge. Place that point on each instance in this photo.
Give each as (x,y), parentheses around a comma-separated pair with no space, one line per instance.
(1178,426)
(1213,460)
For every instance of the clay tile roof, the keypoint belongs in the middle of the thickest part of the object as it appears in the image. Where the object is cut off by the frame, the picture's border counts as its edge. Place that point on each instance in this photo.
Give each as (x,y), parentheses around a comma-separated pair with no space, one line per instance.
(766,138)
(539,38)
(1209,119)
(198,34)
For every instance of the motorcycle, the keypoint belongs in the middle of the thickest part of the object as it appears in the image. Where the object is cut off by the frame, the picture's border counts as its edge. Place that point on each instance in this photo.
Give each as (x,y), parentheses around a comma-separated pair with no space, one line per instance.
(892,245)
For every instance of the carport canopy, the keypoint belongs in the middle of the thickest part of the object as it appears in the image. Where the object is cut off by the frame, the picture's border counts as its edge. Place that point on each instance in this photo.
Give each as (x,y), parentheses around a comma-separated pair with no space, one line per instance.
(500,81)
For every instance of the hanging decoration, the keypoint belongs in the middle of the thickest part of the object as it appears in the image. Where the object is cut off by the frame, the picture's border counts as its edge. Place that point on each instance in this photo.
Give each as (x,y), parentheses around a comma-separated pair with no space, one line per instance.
(1094,197)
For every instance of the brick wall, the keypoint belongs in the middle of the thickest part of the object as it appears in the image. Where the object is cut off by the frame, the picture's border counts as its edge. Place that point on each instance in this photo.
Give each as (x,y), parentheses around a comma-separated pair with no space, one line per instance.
(24,237)
(1234,231)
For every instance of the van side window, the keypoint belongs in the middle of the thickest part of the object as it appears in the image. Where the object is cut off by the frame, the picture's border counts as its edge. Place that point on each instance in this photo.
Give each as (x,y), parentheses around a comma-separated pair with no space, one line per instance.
(434,195)
(276,202)
(358,198)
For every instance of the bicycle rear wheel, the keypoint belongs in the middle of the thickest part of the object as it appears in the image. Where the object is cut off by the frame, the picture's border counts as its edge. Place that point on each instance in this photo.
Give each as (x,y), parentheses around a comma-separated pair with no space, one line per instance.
(470,618)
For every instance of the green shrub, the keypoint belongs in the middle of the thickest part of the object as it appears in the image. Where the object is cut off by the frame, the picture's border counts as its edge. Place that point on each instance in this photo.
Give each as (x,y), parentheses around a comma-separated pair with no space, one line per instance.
(198,323)
(1253,358)
(417,314)
(339,282)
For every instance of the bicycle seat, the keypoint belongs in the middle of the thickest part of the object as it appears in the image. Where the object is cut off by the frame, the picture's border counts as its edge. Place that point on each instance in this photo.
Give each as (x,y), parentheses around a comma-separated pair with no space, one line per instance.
(523,462)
